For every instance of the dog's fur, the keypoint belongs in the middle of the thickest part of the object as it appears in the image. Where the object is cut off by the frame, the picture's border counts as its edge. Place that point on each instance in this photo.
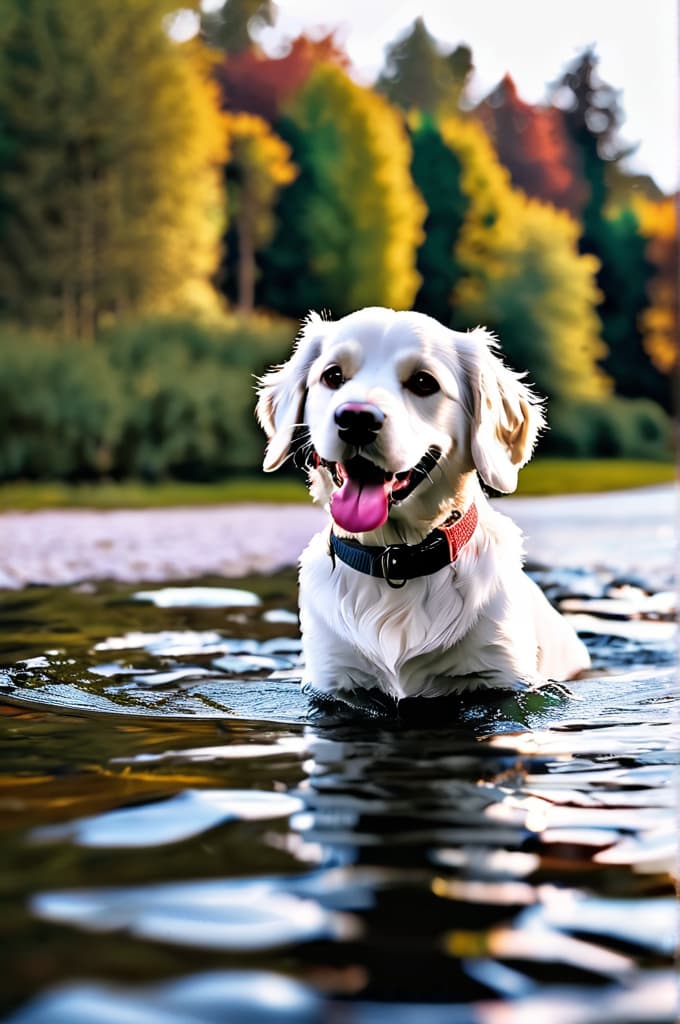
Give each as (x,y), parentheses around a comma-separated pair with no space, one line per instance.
(478,622)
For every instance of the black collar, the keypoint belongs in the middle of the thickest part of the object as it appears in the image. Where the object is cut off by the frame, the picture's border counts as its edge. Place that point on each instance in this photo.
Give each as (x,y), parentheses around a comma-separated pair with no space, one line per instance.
(397,563)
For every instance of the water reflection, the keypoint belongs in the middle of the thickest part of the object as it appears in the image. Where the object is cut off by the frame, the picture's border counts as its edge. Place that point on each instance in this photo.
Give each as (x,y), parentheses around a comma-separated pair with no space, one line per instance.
(470,861)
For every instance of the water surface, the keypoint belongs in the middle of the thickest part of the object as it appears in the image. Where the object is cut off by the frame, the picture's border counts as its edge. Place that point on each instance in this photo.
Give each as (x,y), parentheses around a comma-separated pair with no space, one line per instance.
(185,839)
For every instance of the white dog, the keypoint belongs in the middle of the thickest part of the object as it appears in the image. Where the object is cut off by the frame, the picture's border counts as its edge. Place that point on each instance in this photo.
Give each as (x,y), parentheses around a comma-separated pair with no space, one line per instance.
(417,586)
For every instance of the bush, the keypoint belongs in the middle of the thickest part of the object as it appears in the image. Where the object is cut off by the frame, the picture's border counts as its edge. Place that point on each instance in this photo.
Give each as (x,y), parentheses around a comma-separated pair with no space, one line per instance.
(175,397)
(615,427)
(61,409)
(151,399)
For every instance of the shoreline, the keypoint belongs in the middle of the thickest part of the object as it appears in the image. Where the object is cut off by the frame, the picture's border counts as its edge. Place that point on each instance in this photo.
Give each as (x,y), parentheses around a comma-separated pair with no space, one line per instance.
(628,530)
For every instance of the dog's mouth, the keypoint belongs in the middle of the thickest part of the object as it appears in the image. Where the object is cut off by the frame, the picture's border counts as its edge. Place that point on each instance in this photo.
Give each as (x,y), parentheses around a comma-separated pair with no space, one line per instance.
(366,492)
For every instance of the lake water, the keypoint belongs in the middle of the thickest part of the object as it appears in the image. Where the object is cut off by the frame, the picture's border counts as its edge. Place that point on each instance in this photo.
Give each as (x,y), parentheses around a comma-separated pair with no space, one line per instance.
(186,840)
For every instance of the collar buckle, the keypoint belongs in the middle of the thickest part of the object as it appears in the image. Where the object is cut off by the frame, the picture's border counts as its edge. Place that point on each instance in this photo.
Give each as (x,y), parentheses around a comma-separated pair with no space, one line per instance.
(389,559)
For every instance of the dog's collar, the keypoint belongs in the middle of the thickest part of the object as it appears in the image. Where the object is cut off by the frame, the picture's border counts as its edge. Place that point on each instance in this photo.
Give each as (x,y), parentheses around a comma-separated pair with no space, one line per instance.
(397,563)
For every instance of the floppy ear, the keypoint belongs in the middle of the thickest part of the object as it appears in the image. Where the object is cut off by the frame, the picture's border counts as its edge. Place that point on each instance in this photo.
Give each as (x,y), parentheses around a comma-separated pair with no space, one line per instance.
(282,392)
(506,415)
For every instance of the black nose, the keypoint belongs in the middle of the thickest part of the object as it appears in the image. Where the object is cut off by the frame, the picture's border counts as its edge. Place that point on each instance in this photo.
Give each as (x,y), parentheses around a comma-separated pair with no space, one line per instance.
(358,422)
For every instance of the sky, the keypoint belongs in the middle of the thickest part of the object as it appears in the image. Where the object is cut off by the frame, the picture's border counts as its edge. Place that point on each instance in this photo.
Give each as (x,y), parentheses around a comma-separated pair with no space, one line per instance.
(637,41)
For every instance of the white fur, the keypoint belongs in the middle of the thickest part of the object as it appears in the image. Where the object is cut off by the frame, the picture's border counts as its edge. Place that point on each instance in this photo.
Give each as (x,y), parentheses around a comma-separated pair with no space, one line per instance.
(478,622)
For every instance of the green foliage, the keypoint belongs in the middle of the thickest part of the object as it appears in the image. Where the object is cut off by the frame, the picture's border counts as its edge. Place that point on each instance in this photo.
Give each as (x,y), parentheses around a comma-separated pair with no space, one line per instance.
(418,74)
(61,408)
(161,397)
(592,116)
(613,428)
(513,263)
(229,28)
(356,215)
(109,187)
(436,171)
(259,167)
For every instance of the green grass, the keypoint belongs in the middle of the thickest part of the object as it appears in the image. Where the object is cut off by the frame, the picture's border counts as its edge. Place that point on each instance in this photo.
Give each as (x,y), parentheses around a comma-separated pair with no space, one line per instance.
(542,476)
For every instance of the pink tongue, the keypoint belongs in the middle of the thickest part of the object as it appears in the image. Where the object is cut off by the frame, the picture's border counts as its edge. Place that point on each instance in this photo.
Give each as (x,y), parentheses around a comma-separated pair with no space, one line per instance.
(359,507)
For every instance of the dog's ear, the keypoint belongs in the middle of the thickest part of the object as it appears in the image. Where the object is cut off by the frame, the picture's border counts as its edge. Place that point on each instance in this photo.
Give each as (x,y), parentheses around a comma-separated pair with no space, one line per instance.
(506,415)
(282,392)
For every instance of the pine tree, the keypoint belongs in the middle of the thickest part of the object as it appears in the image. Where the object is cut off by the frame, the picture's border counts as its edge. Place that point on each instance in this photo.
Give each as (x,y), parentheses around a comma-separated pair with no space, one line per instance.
(419,75)
(351,222)
(436,172)
(230,27)
(109,177)
(592,116)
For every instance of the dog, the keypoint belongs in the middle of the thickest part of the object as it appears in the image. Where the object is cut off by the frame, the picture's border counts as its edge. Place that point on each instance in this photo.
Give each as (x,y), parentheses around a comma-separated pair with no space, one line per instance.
(417,587)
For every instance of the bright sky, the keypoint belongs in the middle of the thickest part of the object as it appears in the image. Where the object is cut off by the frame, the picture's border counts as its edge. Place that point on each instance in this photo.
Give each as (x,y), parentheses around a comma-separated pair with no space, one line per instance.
(637,41)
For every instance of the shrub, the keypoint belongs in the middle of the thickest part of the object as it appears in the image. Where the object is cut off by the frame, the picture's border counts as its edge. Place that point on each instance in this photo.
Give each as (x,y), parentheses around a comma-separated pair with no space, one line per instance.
(61,409)
(153,398)
(615,427)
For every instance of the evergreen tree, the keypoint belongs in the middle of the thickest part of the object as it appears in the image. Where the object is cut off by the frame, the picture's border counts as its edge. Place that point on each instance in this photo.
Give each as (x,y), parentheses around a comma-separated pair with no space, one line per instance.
(109,180)
(350,224)
(592,116)
(230,27)
(436,172)
(418,74)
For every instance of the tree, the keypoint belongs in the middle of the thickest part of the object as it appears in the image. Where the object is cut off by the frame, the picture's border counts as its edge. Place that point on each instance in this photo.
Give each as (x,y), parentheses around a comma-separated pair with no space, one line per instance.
(532,143)
(418,74)
(253,82)
(592,115)
(350,223)
(521,275)
(259,166)
(230,27)
(109,177)
(659,322)
(436,171)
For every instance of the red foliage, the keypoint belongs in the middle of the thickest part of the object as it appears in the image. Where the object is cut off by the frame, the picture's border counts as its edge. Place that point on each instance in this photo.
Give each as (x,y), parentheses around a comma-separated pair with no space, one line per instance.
(253,82)
(532,143)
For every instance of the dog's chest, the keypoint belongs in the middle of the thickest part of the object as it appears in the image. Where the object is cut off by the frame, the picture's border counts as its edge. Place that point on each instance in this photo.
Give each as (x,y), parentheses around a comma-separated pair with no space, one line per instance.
(389,626)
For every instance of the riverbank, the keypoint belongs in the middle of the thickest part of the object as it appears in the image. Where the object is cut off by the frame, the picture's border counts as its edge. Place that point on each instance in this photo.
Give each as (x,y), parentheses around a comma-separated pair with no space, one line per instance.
(625,529)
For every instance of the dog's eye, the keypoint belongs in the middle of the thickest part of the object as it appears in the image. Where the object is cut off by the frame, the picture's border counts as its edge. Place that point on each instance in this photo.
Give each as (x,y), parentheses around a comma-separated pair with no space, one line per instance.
(422,384)
(333,377)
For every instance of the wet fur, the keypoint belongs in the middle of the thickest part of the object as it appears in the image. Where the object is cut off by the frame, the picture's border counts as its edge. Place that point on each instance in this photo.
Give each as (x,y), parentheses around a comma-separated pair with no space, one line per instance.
(479,622)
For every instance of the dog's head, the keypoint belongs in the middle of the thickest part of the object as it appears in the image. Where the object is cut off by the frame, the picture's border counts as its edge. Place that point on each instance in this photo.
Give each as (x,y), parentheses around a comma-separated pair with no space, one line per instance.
(396,409)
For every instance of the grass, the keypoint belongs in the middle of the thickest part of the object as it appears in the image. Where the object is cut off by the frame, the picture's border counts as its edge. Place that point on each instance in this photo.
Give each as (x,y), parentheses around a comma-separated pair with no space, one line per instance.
(542,476)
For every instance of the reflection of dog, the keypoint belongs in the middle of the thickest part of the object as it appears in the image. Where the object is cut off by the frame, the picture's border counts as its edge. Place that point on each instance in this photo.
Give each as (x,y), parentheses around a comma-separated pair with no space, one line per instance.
(417,588)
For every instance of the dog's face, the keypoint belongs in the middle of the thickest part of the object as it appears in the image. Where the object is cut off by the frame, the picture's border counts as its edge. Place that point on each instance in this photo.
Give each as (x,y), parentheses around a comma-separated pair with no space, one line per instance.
(397,409)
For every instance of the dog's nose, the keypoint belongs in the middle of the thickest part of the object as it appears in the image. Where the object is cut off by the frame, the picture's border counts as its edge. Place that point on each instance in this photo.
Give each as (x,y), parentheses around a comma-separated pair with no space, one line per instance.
(358,422)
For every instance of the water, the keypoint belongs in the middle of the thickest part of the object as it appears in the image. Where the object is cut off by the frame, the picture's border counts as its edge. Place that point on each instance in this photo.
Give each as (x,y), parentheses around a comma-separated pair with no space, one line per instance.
(185,839)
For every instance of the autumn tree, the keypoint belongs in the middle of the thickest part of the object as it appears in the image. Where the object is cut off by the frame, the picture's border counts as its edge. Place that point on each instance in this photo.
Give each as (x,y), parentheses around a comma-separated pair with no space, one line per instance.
(419,74)
(259,166)
(659,322)
(531,141)
(494,257)
(253,82)
(350,224)
(109,176)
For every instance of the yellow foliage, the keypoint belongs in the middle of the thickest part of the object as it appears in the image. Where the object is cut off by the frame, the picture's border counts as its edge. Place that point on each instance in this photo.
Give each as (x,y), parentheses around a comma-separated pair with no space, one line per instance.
(523,275)
(659,322)
(365,215)
(113,183)
(263,163)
